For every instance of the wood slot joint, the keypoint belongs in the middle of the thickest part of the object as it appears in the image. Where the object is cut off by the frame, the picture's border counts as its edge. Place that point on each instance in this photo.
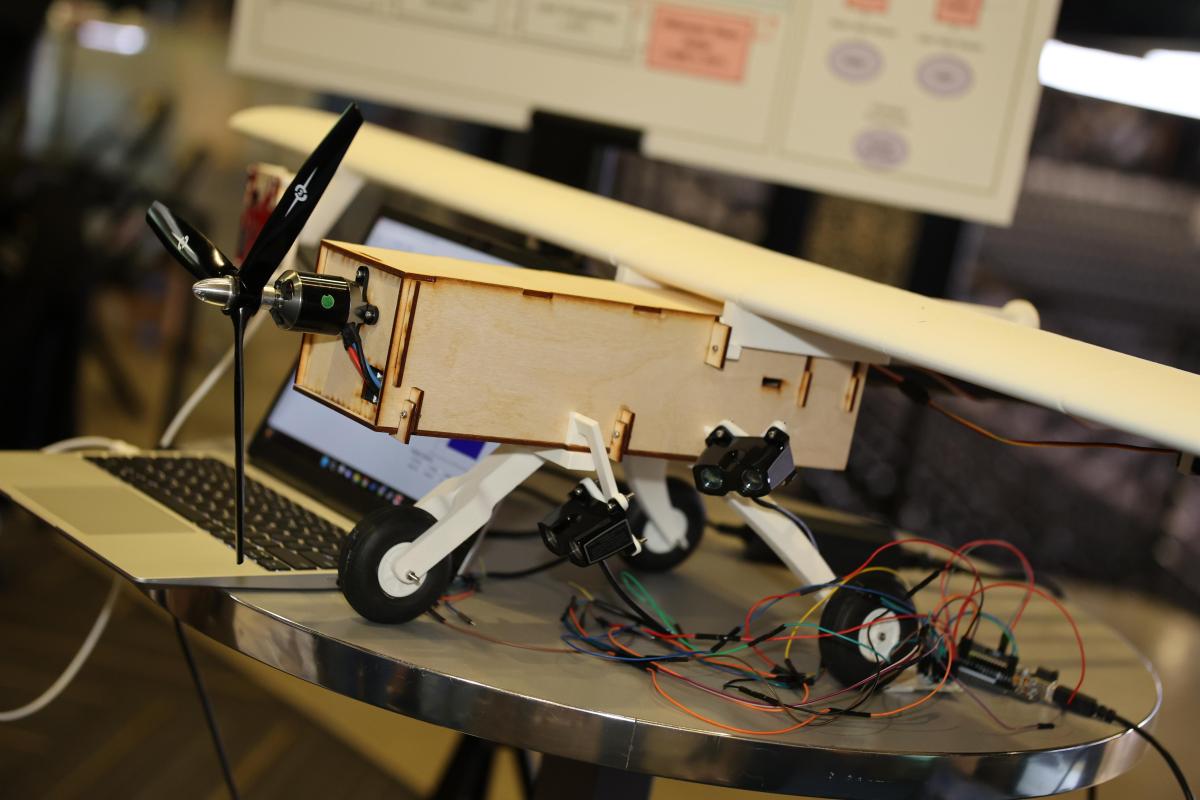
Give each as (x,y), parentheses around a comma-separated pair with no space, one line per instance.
(718,345)
(622,429)
(410,411)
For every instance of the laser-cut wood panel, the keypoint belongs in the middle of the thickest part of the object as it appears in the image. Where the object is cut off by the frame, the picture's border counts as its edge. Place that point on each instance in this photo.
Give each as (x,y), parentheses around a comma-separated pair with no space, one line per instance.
(504,354)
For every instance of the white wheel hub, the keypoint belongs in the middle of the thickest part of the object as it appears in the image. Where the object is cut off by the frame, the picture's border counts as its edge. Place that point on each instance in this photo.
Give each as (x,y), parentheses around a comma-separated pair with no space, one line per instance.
(880,636)
(392,584)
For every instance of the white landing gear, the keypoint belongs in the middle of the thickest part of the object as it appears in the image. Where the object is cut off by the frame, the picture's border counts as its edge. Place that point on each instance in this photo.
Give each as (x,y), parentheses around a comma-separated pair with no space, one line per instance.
(667,514)
(398,561)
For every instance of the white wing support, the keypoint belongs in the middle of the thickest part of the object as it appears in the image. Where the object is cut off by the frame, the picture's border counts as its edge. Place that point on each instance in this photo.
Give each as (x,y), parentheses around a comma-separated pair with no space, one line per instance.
(1138,396)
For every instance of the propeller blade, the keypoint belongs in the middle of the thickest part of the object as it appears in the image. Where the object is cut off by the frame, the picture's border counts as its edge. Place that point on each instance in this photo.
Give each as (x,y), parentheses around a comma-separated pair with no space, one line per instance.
(296,205)
(190,248)
(239,314)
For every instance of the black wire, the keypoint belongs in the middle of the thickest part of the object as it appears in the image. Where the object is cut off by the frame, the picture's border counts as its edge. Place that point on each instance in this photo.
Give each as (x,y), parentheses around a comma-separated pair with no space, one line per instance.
(522,573)
(638,611)
(209,716)
(1162,751)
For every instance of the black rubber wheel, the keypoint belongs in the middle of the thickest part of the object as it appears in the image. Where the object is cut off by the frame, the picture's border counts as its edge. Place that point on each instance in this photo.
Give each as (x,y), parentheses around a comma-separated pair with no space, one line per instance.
(363,549)
(684,497)
(847,609)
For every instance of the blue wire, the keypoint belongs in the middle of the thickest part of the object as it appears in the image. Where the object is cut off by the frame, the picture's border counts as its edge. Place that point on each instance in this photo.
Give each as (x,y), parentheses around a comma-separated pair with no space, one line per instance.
(693,655)
(376,379)
(795,519)
(902,606)
(567,637)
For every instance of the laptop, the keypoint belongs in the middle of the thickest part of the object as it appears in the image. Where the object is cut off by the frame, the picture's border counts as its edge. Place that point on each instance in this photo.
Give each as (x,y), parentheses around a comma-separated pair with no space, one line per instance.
(167,517)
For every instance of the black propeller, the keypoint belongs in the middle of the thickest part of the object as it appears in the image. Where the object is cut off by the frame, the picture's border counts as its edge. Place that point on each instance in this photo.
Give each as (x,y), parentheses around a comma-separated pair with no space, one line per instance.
(239,292)
(191,248)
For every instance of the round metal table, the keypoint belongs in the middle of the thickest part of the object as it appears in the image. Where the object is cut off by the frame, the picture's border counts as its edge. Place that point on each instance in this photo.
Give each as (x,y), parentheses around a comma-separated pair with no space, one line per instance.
(584,711)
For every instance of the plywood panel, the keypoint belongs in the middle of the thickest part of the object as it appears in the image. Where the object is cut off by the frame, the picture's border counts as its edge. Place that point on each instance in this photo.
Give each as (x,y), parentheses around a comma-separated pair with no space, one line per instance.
(533,280)
(507,355)
(500,364)
(325,370)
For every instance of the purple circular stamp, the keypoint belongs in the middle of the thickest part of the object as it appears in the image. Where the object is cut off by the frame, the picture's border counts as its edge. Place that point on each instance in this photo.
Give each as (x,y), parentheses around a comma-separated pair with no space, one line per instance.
(881,149)
(855,61)
(946,76)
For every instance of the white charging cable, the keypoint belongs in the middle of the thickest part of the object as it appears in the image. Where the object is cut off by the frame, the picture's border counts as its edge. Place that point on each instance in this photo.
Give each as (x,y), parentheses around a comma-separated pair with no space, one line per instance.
(68,674)
(89,643)
(210,380)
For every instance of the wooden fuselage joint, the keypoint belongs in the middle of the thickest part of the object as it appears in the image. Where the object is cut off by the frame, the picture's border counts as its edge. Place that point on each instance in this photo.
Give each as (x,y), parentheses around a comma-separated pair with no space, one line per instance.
(410,411)
(718,343)
(622,430)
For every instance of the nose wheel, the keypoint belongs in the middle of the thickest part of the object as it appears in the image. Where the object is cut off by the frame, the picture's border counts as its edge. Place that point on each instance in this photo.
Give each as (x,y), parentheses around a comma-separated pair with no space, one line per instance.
(361,558)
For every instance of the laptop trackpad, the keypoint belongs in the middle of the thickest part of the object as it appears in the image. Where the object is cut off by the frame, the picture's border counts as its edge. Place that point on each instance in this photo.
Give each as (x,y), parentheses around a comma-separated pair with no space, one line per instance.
(98,510)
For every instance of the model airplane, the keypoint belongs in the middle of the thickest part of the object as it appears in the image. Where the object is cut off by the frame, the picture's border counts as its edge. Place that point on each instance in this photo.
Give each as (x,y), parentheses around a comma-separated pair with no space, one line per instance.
(707,350)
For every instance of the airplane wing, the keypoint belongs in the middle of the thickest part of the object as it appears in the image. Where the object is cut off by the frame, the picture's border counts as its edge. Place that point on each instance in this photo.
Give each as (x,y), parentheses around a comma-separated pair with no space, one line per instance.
(1155,401)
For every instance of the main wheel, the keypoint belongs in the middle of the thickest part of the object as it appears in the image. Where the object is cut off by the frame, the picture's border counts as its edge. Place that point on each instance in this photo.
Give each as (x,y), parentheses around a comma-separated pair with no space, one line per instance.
(883,640)
(654,558)
(362,553)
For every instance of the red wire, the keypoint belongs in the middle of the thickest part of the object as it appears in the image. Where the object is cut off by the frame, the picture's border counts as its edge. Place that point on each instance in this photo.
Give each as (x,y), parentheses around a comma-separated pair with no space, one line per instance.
(978,581)
(354,360)
(1025,565)
(1046,596)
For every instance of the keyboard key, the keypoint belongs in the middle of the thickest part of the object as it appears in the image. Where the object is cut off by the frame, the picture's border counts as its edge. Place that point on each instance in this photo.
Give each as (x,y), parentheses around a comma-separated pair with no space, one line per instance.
(280,535)
(323,560)
(291,558)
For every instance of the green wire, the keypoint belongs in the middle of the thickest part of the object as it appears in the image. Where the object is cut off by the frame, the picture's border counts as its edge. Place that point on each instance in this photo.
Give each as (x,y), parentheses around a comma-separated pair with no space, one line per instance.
(849,639)
(642,594)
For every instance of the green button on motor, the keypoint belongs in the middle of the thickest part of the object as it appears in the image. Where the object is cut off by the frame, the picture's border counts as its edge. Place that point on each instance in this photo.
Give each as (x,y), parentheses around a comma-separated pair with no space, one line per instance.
(326,301)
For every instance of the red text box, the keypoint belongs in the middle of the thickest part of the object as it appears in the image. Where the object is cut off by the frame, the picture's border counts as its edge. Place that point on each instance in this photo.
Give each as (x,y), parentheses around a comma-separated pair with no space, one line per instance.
(959,12)
(700,42)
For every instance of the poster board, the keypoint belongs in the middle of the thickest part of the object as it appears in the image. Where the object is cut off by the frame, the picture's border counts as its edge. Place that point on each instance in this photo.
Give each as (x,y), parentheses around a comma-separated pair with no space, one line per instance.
(926,104)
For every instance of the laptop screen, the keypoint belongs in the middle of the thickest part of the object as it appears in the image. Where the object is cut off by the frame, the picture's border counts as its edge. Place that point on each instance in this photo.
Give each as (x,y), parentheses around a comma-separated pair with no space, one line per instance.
(347,465)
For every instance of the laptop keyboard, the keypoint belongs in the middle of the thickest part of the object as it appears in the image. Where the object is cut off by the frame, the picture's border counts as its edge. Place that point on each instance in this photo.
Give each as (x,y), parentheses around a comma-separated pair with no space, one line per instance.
(279,534)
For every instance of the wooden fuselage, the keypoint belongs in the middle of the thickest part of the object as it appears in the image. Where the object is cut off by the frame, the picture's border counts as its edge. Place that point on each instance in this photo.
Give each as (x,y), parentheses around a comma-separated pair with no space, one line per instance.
(477,351)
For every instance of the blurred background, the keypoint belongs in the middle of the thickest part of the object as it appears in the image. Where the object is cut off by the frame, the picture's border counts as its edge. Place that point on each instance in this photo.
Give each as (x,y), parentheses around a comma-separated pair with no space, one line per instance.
(106,106)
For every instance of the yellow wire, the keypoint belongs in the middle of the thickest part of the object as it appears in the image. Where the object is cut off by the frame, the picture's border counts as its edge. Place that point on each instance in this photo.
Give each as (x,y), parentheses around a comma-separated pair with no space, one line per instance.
(787,650)
(583,591)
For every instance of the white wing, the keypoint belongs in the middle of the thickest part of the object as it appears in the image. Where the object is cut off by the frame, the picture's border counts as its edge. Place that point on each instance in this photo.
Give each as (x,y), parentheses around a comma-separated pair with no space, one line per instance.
(1155,401)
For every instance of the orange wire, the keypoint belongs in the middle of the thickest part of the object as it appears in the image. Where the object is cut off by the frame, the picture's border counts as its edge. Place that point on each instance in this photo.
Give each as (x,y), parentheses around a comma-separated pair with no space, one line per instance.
(996,437)
(730,698)
(673,673)
(932,692)
(950,385)
(658,688)
(1045,596)
(575,619)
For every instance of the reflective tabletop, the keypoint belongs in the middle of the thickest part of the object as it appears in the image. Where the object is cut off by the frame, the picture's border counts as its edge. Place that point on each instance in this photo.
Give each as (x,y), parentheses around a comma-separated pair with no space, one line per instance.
(609,714)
